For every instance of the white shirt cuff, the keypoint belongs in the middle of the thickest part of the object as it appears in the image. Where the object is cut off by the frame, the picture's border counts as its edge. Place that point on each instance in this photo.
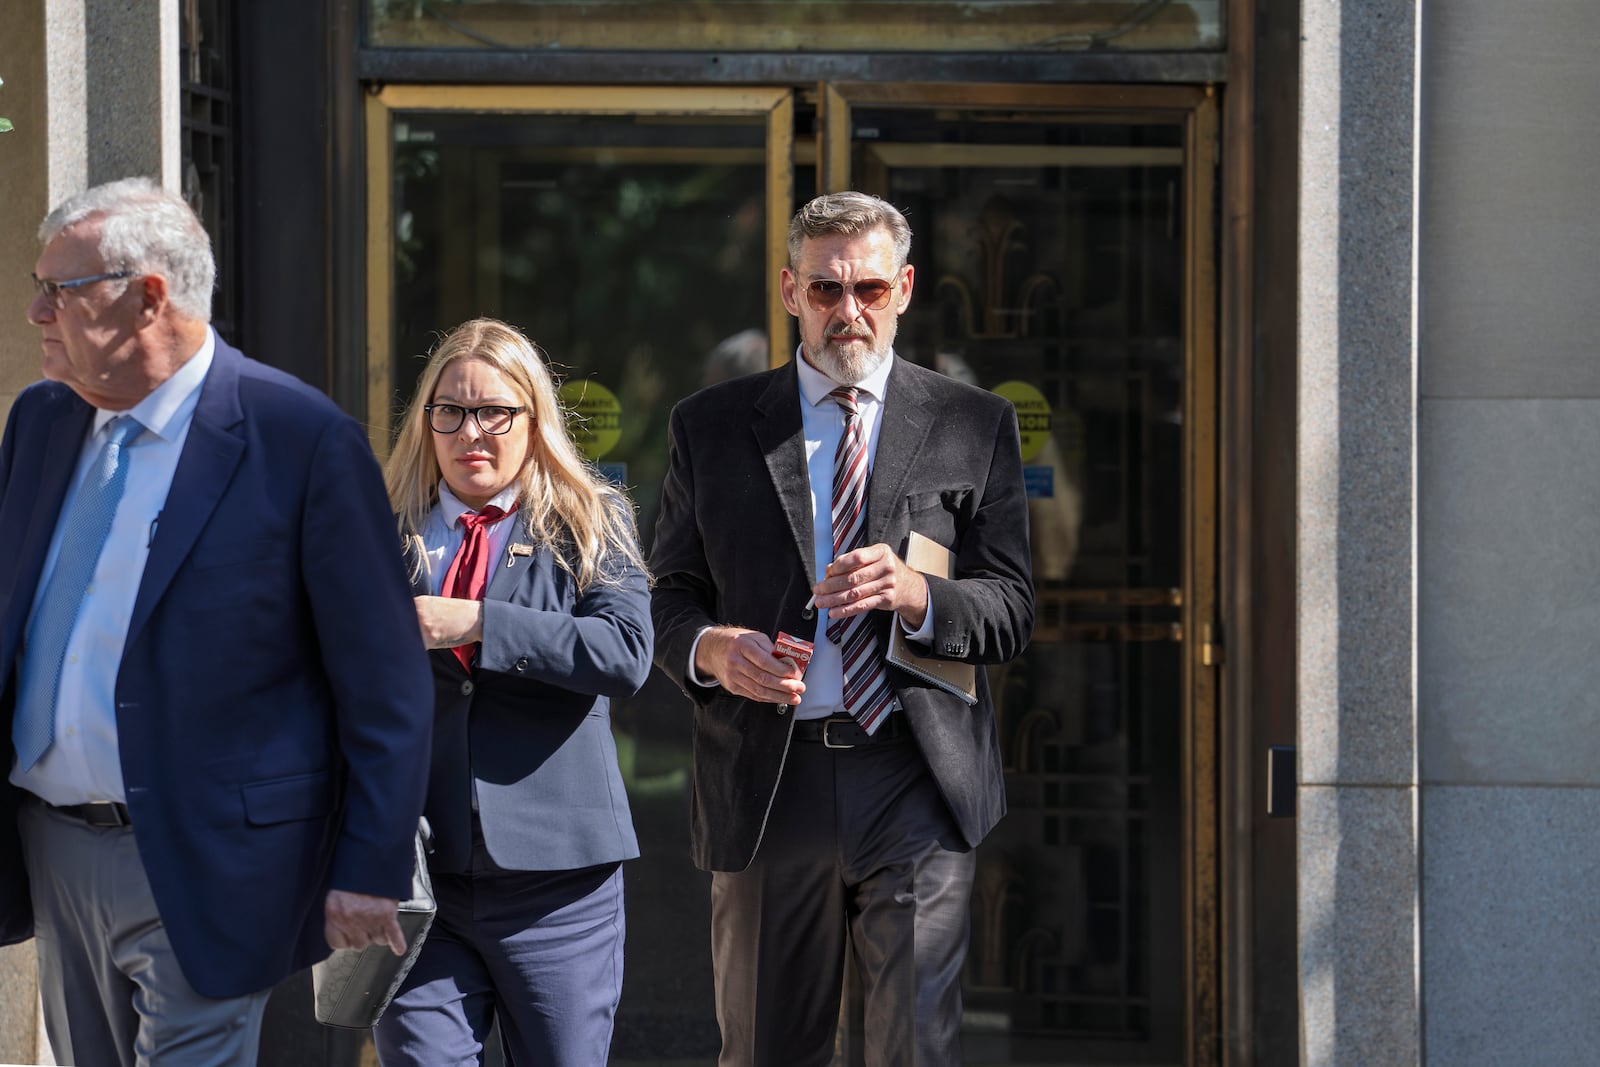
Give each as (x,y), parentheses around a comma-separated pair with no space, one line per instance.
(694,675)
(923,634)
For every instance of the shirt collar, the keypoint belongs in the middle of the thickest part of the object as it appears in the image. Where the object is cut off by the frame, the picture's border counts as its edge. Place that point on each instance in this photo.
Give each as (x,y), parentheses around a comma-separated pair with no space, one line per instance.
(164,410)
(815,386)
(452,507)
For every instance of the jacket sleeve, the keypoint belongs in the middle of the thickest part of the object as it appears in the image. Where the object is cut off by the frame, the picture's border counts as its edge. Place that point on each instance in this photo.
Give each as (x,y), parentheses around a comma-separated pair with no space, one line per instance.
(984,612)
(601,647)
(685,594)
(372,655)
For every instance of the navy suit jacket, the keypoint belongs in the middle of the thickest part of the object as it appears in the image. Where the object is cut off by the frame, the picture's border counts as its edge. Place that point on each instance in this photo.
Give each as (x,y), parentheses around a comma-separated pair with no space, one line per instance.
(272,713)
(530,728)
(734,547)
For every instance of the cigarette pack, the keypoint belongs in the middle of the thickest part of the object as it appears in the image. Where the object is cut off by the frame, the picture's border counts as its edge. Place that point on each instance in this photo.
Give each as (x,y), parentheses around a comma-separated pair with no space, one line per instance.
(792,649)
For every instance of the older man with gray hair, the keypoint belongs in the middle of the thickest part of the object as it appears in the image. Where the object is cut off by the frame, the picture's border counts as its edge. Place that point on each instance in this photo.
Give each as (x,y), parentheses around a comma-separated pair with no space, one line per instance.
(213,685)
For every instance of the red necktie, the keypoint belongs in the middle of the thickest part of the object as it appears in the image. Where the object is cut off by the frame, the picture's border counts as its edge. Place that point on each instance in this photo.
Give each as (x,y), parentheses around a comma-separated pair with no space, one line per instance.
(867,694)
(468,575)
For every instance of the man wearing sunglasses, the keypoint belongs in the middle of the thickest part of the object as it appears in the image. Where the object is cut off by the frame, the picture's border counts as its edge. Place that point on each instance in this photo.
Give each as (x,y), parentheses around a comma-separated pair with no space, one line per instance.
(213,693)
(839,806)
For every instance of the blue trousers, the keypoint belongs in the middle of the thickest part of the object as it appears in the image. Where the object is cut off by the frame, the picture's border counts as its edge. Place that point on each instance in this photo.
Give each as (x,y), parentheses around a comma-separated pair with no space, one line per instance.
(538,951)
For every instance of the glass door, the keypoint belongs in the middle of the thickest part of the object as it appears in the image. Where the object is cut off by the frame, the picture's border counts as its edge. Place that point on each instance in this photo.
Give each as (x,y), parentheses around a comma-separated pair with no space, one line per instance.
(630,232)
(1064,260)
(635,235)
(1064,255)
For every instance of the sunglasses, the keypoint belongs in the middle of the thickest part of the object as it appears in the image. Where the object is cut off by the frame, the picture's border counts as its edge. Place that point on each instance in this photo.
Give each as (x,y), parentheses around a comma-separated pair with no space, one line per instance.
(871,295)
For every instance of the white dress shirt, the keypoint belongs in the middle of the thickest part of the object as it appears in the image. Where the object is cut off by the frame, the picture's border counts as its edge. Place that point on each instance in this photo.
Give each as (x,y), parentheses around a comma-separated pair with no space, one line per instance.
(83,764)
(823,422)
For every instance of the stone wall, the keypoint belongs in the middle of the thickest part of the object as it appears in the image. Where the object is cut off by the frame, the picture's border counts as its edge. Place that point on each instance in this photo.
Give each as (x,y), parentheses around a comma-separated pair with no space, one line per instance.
(1358,853)
(1449,515)
(1509,531)
(92,89)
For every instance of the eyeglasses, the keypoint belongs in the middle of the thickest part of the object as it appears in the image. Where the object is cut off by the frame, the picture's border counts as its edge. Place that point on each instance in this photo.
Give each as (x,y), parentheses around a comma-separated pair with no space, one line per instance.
(52,291)
(491,418)
(872,294)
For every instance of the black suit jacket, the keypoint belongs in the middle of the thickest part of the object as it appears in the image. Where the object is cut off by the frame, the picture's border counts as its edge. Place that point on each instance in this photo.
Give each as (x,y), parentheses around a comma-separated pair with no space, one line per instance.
(734,546)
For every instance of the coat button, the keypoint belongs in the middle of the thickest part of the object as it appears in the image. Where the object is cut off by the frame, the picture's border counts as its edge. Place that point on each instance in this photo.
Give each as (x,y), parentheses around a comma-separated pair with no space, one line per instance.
(521,664)
(466,688)
(783,709)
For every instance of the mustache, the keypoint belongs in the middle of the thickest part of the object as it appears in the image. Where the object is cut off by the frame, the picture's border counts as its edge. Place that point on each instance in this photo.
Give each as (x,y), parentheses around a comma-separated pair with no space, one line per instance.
(861,335)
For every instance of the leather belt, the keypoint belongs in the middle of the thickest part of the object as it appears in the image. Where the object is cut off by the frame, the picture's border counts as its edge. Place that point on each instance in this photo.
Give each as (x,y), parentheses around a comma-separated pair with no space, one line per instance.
(842,731)
(96,813)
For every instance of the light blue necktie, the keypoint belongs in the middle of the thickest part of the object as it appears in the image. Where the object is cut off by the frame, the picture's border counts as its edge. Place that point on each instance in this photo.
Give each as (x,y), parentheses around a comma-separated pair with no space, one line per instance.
(84,528)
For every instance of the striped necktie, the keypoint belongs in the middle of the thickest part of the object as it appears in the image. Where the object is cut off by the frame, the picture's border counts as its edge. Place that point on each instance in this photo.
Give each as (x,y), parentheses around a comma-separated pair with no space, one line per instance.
(84,525)
(867,694)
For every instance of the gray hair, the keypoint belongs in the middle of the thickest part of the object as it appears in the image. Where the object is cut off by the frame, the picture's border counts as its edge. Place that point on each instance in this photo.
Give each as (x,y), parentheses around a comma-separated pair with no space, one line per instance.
(145,229)
(849,214)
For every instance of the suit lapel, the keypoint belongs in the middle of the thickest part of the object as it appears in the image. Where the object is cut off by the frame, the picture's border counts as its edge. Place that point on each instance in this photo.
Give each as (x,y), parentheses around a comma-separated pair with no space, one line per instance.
(58,460)
(782,439)
(905,422)
(512,563)
(211,453)
(55,474)
(504,574)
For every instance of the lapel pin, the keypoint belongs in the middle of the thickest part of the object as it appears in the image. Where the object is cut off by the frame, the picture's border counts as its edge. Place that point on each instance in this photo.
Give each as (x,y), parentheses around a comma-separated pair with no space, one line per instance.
(516,550)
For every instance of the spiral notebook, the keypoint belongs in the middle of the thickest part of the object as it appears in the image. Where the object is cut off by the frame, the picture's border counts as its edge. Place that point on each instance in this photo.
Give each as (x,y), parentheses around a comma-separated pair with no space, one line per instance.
(953,676)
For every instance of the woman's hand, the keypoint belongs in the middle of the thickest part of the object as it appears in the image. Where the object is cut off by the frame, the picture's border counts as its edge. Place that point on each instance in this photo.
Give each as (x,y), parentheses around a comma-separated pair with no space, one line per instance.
(447,622)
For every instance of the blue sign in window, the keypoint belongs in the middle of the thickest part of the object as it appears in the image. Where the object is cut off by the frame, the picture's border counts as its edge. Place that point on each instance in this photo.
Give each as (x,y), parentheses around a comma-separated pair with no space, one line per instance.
(1040,482)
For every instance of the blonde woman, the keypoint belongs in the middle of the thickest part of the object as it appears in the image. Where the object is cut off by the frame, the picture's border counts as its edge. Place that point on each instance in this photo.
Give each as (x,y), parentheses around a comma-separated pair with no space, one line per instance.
(534,603)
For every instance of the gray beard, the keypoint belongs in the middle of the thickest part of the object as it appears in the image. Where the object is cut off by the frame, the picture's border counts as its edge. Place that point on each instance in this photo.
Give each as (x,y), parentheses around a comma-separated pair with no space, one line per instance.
(848,368)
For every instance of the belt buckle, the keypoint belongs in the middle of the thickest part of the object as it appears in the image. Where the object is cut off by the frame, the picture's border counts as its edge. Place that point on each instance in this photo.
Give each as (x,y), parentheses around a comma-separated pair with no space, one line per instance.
(827,733)
(104,813)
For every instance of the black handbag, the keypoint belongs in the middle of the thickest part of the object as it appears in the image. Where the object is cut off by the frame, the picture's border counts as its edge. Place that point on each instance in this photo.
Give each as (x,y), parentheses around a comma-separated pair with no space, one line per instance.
(352,987)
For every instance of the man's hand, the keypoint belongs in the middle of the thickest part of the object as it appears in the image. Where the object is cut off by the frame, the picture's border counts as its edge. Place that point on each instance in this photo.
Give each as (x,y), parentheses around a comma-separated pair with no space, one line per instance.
(356,920)
(447,621)
(873,579)
(742,663)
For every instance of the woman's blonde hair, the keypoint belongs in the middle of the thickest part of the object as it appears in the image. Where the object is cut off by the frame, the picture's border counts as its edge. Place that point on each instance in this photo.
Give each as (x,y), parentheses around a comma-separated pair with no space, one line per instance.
(564,503)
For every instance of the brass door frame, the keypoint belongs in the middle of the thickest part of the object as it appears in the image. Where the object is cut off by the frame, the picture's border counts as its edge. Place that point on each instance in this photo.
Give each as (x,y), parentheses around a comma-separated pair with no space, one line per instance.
(1195,109)
(775,105)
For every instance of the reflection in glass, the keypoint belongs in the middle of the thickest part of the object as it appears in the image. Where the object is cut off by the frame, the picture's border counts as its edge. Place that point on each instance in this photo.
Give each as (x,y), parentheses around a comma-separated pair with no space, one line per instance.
(1049,268)
(800,25)
(633,252)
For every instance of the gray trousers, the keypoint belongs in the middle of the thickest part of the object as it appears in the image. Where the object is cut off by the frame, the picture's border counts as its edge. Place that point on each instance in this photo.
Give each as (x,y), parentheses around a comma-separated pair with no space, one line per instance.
(860,858)
(113,992)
